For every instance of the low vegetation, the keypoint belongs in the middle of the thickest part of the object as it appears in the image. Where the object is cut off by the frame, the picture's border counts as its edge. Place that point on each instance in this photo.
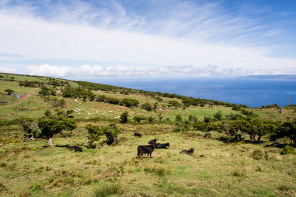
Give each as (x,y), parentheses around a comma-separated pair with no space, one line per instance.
(73,138)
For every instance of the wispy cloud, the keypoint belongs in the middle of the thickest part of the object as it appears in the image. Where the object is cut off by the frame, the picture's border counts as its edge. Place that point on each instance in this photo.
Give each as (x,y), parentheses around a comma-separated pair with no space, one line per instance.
(151,34)
(143,71)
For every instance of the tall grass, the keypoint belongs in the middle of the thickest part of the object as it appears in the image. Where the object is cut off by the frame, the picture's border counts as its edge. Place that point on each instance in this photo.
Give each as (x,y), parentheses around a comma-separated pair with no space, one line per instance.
(160,170)
(107,189)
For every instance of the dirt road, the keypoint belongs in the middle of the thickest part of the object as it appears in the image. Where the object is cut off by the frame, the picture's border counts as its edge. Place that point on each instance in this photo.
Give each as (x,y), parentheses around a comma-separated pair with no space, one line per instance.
(19,101)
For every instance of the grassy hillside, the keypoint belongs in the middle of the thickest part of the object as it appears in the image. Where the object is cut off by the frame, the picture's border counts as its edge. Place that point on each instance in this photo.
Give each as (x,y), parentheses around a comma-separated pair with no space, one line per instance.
(31,168)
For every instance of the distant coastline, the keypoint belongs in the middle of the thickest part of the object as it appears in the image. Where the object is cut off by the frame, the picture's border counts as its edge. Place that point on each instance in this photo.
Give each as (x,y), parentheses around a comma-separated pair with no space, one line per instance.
(253,91)
(273,77)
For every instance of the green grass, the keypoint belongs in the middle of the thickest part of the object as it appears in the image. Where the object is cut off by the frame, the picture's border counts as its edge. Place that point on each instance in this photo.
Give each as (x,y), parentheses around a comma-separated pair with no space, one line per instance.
(215,168)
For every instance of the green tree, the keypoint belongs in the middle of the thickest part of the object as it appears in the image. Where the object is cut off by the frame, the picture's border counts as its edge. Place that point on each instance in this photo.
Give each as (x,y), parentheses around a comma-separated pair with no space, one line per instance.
(175,104)
(192,118)
(160,117)
(138,119)
(151,119)
(147,106)
(287,129)
(95,133)
(178,120)
(123,117)
(111,133)
(45,91)
(51,125)
(30,127)
(218,115)
(9,91)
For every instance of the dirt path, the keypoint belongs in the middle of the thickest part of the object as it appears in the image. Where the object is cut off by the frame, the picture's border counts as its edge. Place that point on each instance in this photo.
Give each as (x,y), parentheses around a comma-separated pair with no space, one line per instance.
(19,101)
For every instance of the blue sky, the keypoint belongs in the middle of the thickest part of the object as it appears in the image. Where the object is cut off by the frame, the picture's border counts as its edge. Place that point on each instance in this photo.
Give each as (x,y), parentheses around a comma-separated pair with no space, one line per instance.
(76,38)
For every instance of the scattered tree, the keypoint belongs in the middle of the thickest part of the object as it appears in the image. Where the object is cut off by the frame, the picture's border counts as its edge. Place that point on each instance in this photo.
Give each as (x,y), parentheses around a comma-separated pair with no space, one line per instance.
(95,133)
(218,115)
(9,91)
(52,124)
(123,117)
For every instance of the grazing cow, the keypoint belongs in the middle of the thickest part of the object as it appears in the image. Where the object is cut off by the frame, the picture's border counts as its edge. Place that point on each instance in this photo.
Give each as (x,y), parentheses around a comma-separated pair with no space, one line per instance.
(138,134)
(165,145)
(152,141)
(188,152)
(146,149)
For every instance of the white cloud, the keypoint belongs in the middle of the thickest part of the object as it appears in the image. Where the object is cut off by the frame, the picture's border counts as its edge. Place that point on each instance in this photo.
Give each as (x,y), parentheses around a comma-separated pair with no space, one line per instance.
(181,34)
(7,70)
(134,71)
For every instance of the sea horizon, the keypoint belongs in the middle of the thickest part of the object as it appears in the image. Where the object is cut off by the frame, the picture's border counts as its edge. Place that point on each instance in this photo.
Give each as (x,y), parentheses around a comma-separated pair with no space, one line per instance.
(249,91)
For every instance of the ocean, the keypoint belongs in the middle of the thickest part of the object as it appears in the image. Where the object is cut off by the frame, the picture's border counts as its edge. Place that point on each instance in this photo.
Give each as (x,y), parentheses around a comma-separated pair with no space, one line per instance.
(250,92)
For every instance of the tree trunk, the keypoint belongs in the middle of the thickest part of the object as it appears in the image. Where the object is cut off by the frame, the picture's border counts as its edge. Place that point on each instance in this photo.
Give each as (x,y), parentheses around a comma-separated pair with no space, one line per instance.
(259,138)
(50,141)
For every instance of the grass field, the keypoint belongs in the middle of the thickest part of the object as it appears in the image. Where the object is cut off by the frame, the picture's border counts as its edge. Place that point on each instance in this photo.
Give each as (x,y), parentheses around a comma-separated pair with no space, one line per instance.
(215,169)
(32,168)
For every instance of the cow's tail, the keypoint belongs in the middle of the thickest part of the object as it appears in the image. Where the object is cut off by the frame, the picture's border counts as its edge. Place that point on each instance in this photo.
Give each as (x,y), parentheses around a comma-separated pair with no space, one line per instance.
(138,152)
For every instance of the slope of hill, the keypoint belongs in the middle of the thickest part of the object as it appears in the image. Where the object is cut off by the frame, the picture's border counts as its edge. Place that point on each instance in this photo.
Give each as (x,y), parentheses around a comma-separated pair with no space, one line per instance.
(242,167)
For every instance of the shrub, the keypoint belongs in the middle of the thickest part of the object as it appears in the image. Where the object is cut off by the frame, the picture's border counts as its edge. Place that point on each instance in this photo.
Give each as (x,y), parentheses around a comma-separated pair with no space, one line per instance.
(207,119)
(2,187)
(192,118)
(178,119)
(218,115)
(9,91)
(147,107)
(284,187)
(259,154)
(36,186)
(138,119)
(45,91)
(288,150)
(158,169)
(96,132)
(128,102)
(239,172)
(108,189)
(151,119)
(3,164)
(123,117)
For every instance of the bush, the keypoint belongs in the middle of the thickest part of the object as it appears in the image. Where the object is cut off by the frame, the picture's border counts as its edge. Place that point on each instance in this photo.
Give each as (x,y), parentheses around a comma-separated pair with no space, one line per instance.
(128,102)
(218,115)
(192,118)
(178,119)
(138,119)
(207,119)
(123,117)
(239,173)
(95,133)
(45,91)
(147,107)
(9,91)
(288,150)
(151,119)
(160,170)
(108,189)
(259,154)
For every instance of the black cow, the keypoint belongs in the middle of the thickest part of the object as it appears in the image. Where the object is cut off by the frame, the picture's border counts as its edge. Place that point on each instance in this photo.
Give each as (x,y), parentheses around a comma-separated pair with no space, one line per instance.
(165,145)
(188,152)
(146,149)
(138,134)
(152,141)
(75,148)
